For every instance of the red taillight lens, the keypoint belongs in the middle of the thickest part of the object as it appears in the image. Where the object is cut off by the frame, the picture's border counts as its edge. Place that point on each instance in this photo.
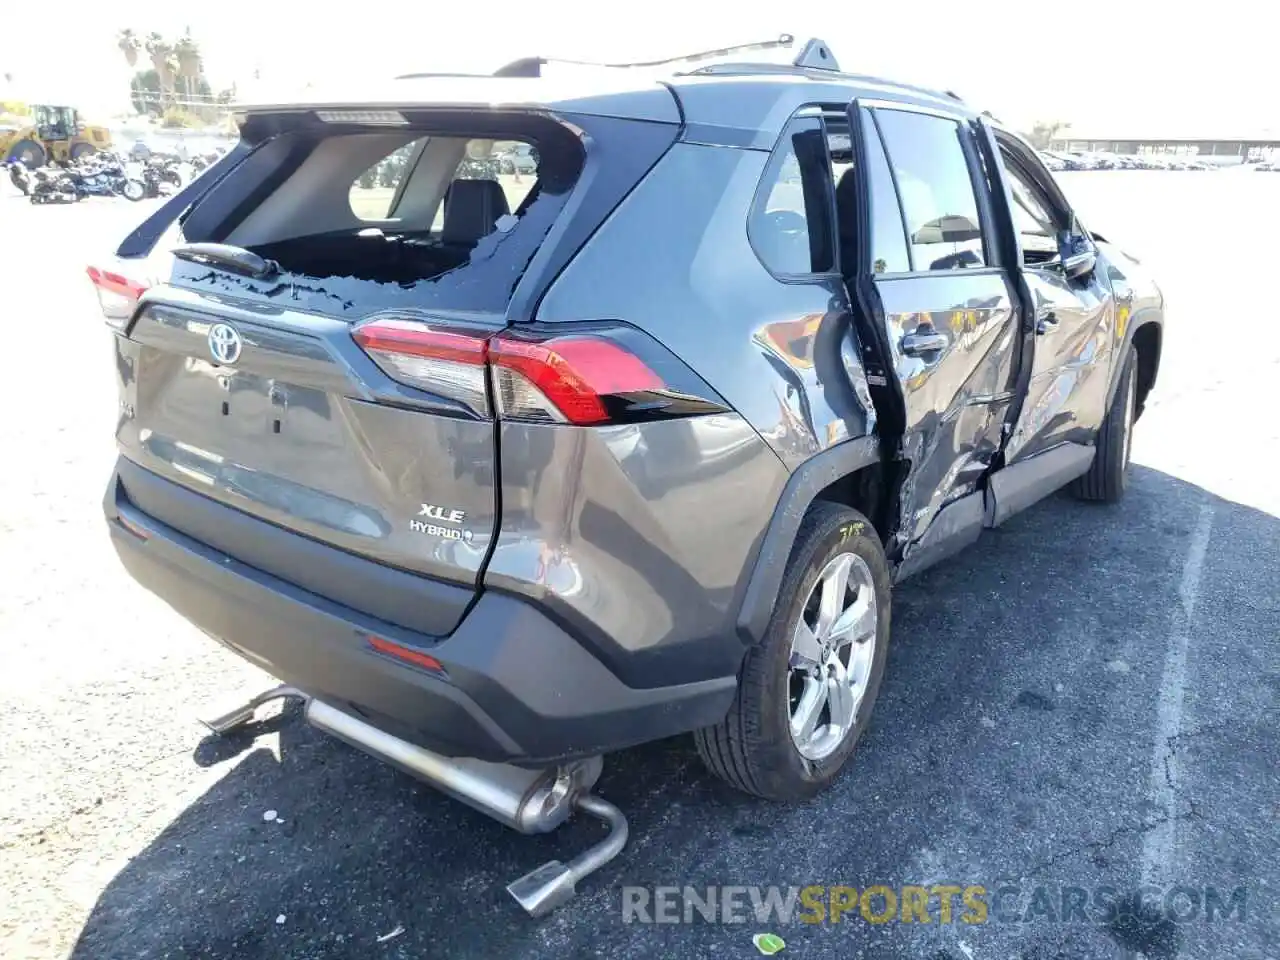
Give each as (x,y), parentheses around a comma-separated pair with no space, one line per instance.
(605,374)
(564,379)
(117,294)
(437,360)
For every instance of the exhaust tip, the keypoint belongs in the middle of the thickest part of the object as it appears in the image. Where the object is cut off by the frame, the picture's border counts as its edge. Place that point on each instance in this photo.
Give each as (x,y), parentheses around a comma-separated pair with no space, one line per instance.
(544,889)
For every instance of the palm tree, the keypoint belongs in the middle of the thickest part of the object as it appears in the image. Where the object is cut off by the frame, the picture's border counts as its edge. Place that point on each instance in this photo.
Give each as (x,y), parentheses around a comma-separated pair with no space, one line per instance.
(129,45)
(164,62)
(190,67)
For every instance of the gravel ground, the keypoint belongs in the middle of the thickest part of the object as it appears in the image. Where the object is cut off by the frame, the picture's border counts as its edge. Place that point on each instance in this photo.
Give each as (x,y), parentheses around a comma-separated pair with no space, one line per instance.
(1085,699)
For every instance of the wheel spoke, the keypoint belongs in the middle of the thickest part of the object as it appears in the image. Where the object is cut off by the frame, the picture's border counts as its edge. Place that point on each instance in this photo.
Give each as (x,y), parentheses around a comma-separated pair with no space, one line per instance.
(856,622)
(861,655)
(805,718)
(806,651)
(834,587)
(841,700)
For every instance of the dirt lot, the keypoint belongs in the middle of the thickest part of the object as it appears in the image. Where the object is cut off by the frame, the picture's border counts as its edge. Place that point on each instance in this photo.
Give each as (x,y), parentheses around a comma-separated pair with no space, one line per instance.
(1086,699)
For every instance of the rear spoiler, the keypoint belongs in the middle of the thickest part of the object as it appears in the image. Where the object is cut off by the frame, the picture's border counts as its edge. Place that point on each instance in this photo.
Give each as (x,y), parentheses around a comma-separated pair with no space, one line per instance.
(142,240)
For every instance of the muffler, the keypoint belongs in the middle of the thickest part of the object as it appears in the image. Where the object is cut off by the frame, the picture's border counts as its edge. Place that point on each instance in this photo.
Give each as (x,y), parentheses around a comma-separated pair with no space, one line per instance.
(530,801)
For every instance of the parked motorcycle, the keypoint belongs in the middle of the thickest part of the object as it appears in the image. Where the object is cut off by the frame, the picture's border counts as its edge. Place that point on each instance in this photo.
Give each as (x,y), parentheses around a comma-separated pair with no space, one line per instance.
(104,176)
(19,176)
(52,184)
(98,176)
(160,178)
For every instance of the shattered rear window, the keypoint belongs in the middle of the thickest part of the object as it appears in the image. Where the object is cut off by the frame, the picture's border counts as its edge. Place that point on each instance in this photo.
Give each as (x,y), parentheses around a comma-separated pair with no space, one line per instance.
(413,219)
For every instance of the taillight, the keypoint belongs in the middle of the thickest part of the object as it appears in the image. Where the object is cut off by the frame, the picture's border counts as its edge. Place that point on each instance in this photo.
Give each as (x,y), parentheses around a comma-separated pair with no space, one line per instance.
(434,359)
(605,374)
(565,379)
(117,295)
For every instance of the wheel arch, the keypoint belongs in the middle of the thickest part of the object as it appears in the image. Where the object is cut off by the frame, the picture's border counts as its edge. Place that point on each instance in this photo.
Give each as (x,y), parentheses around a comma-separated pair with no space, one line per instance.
(851,473)
(1145,334)
(1147,341)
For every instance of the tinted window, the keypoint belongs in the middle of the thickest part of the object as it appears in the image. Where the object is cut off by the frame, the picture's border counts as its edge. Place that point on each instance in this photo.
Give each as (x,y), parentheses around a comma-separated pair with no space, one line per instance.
(888,242)
(1031,218)
(933,181)
(510,162)
(790,224)
(373,192)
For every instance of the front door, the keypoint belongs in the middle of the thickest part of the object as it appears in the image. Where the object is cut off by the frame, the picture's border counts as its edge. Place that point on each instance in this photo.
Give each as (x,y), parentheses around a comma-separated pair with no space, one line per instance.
(1066,393)
(931,278)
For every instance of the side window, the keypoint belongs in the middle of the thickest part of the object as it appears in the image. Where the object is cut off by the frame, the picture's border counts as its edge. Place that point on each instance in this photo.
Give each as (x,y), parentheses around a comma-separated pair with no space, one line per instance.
(374,191)
(938,201)
(790,220)
(888,241)
(1032,220)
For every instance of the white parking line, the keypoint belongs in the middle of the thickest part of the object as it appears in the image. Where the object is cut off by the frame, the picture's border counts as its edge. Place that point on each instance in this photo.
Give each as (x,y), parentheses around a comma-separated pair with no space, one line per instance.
(1159,845)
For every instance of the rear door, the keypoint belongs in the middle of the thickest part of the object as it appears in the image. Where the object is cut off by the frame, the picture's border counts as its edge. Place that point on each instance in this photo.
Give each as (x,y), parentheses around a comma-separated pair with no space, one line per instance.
(947,317)
(1072,317)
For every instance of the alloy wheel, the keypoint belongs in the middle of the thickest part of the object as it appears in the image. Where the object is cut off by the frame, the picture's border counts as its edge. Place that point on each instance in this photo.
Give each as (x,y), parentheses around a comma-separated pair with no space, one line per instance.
(832,651)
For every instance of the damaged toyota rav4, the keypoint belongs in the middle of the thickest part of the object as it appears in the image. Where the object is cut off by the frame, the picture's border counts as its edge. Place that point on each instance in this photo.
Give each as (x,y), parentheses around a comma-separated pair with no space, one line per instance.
(500,473)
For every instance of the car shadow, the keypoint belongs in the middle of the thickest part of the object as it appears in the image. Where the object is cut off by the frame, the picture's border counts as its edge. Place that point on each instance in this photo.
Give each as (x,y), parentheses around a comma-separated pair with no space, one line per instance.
(990,654)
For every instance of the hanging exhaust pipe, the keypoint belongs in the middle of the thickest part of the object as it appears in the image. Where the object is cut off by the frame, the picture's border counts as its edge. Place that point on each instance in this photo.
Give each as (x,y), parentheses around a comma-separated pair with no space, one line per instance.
(530,801)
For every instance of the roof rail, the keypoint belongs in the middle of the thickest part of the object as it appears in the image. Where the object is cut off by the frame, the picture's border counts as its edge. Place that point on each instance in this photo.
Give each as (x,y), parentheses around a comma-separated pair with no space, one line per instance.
(532,66)
(814,55)
(817,55)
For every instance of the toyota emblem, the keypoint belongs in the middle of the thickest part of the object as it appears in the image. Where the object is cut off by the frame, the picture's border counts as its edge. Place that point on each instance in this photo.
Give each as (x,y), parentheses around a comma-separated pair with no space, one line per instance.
(224,343)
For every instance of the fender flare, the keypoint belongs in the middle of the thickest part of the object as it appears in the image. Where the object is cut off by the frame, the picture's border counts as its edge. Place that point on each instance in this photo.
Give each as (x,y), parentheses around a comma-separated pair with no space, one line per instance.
(809,479)
(1139,321)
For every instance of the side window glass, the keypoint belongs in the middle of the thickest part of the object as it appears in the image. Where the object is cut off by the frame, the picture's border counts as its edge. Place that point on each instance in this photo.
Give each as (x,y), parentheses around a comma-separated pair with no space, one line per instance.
(1031,218)
(790,222)
(938,201)
(374,191)
(888,241)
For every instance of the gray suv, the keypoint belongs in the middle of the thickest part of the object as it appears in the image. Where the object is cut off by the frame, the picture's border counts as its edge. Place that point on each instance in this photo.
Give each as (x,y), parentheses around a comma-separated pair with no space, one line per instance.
(509,475)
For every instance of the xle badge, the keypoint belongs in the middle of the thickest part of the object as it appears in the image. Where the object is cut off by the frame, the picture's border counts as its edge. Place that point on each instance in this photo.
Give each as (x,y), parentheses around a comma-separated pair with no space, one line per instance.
(436,516)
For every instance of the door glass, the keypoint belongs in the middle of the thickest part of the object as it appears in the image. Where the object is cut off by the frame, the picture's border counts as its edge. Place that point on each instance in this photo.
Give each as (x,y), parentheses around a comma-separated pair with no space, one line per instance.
(373,192)
(1031,218)
(933,179)
(888,242)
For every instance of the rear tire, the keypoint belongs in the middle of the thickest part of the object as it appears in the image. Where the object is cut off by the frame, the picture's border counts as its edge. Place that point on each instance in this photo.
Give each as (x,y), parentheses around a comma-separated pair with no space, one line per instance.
(81,150)
(754,747)
(1108,475)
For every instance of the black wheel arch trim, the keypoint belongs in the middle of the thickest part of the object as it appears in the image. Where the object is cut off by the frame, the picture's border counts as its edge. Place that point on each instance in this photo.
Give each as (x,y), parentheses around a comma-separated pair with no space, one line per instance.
(1139,321)
(809,479)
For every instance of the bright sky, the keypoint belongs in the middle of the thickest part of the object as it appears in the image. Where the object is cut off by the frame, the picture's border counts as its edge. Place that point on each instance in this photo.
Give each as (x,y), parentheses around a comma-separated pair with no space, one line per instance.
(1096,62)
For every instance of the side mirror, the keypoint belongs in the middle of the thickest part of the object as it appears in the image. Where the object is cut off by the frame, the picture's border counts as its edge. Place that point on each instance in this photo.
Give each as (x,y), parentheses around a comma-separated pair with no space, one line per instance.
(1079,256)
(1079,265)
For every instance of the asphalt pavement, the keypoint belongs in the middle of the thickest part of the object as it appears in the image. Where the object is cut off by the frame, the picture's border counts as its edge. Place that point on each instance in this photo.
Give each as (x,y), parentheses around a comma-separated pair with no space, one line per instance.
(1084,704)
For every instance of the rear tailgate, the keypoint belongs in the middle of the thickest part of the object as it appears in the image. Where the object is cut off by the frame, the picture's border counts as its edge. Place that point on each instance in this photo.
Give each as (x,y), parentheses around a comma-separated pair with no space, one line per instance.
(364,476)
(293,433)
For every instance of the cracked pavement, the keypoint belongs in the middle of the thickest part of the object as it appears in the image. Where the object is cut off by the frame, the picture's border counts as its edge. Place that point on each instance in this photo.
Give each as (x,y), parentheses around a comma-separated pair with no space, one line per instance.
(1055,713)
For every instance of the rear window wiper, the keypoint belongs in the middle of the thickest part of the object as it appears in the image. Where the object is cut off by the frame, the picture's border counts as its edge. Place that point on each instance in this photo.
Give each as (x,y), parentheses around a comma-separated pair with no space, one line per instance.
(235,259)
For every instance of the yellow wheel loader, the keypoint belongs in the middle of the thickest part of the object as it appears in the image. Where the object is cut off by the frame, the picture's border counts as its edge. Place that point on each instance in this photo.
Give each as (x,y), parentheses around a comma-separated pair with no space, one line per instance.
(57,133)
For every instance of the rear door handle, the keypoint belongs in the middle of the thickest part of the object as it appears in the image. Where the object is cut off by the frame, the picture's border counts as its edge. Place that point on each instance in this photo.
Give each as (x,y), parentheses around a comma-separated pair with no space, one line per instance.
(1046,322)
(914,344)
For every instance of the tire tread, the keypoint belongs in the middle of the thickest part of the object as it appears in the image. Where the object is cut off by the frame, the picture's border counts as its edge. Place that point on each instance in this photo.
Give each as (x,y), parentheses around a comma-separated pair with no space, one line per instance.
(1104,480)
(734,748)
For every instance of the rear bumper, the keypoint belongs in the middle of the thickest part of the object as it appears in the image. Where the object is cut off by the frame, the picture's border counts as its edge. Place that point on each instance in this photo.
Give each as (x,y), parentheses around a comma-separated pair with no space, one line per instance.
(519,688)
